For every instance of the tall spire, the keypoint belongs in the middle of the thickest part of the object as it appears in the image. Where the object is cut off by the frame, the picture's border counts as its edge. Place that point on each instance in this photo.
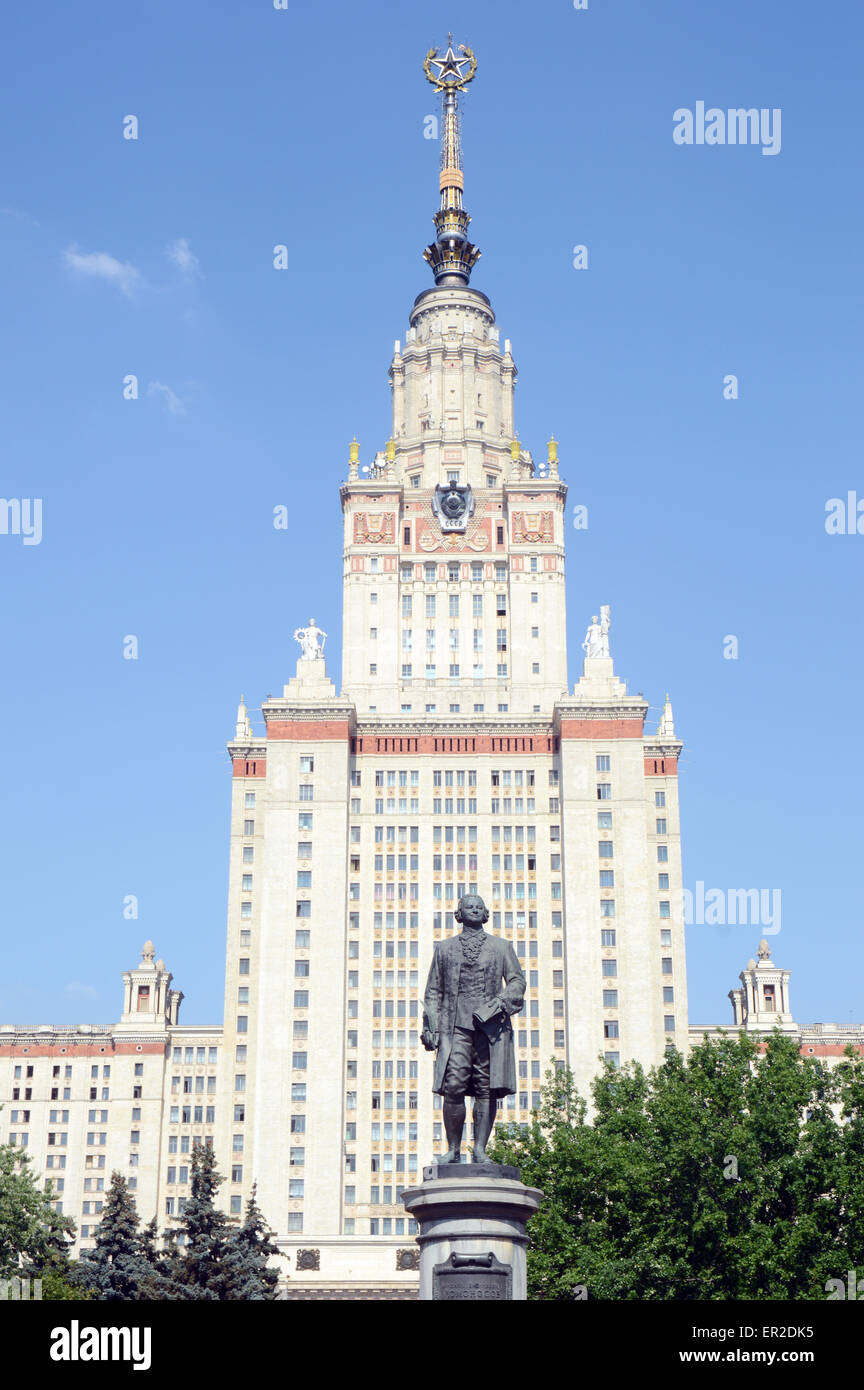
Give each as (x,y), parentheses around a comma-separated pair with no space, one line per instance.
(451,255)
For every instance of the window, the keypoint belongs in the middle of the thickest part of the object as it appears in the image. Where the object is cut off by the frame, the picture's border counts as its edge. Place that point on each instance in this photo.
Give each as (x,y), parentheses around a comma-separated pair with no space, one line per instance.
(607,936)
(610,999)
(665,909)
(307,792)
(604,820)
(304,909)
(660,825)
(663,883)
(610,1028)
(298,1061)
(604,849)
(662,854)
(669,994)
(613,1059)
(659,798)
(603,762)
(604,791)
(668,1023)
(607,878)
(607,907)
(295,1221)
(610,969)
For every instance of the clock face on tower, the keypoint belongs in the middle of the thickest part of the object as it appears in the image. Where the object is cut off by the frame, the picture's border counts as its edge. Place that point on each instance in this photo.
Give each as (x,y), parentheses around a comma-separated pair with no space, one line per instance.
(453,505)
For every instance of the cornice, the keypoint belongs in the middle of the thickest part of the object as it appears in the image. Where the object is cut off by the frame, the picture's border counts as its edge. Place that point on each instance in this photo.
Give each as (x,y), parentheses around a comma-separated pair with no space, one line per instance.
(289,710)
(457,728)
(631,707)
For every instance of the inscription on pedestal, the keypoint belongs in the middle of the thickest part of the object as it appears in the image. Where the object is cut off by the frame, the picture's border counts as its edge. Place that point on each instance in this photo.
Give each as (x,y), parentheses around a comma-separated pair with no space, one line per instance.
(472,1277)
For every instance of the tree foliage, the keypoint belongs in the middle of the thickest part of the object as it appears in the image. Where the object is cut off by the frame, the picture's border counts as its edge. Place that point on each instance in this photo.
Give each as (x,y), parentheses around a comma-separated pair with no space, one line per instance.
(217,1259)
(124,1264)
(733,1173)
(34,1238)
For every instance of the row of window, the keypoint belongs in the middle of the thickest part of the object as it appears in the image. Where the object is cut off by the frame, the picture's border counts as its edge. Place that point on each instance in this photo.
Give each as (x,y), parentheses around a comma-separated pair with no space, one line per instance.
(453,606)
(196,1083)
(192,1114)
(454,671)
(430,571)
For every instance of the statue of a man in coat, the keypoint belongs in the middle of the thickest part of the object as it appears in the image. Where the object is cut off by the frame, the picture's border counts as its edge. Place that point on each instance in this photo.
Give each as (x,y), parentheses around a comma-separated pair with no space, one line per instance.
(475,983)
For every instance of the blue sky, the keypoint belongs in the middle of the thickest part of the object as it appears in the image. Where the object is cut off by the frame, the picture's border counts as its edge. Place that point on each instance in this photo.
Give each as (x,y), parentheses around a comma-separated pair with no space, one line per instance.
(706,516)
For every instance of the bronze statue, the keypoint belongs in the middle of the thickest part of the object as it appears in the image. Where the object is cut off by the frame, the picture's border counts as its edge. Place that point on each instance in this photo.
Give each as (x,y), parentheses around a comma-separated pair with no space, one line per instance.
(466,1019)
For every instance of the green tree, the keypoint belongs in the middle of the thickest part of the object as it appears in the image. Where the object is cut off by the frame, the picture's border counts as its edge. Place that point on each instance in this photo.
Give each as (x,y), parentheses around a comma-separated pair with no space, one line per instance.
(249,1274)
(34,1238)
(123,1264)
(198,1267)
(730,1174)
(57,1289)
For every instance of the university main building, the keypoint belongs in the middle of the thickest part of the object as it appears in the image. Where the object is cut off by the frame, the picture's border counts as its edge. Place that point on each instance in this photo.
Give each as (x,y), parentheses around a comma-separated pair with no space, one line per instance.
(457,758)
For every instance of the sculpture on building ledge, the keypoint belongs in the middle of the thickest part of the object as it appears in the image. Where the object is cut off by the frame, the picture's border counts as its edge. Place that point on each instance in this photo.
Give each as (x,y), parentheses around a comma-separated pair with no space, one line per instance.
(466,1021)
(597,637)
(308,639)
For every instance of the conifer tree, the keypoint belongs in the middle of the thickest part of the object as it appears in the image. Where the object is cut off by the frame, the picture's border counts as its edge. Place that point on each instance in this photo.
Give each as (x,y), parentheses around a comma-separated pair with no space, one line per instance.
(122,1261)
(197,1265)
(250,1275)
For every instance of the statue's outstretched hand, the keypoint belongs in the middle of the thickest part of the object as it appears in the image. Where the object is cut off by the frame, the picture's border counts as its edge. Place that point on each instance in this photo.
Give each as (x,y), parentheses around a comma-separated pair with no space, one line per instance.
(429,1040)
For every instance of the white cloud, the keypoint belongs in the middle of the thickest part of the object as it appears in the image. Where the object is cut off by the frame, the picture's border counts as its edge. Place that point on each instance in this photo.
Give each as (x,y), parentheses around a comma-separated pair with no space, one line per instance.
(103,267)
(173,402)
(182,256)
(79,990)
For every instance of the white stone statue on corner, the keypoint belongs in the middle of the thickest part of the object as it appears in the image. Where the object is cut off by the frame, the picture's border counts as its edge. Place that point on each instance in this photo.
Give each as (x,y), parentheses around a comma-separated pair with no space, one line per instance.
(597,637)
(308,639)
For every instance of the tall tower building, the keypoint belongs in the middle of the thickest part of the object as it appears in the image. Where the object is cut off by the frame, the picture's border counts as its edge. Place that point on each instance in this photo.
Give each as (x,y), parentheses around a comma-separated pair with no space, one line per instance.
(456,759)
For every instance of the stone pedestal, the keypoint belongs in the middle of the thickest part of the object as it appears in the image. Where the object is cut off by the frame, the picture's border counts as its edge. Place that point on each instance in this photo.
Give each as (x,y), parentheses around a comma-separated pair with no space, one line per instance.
(472,1231)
